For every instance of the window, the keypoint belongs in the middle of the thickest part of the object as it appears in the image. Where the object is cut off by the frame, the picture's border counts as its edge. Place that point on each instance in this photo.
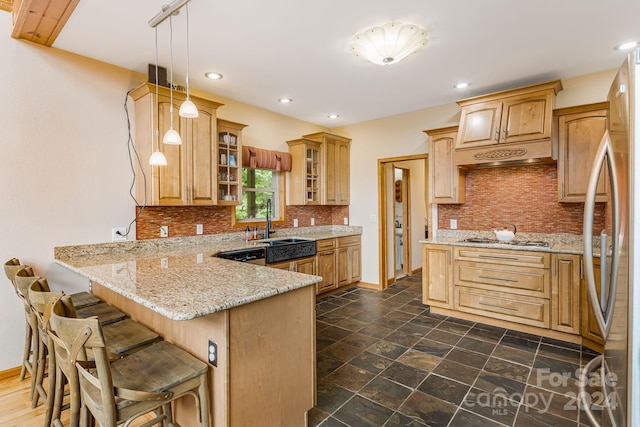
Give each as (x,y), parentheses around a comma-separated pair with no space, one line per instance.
(258,186)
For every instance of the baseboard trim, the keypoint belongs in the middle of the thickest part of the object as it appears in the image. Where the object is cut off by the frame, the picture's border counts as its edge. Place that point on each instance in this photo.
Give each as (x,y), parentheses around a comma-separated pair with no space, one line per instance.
(368,285)
(11,372)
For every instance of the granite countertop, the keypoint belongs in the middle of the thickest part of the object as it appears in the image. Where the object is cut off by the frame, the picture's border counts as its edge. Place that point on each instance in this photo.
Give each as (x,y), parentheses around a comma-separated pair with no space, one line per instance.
(180,278)
(562,243)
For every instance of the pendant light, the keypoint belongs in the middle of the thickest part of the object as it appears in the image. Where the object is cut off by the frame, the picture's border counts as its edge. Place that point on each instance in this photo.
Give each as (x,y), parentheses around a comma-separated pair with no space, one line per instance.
(172,137)
(188,109)
(157,158)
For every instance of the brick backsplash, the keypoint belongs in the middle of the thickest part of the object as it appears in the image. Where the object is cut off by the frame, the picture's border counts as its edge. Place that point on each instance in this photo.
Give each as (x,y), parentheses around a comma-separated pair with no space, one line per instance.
(182,220)
(526,196)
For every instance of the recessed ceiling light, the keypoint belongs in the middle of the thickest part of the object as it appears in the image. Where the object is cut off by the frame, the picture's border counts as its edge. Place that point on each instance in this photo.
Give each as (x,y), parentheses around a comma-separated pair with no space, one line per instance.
(333,116)
(213,75)
(461,85)
(285,100)
(626,45)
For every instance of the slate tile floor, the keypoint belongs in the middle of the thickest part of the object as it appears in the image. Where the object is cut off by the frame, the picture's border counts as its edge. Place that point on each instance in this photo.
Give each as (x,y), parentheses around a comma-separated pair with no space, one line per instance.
(384,360)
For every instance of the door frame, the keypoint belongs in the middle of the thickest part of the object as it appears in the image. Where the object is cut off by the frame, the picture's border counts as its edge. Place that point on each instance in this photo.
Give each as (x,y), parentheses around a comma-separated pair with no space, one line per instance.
(382,211)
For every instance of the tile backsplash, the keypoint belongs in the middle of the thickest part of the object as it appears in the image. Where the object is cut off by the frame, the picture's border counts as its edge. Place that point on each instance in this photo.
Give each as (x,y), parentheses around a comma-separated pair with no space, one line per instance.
(526,196)
(182,220)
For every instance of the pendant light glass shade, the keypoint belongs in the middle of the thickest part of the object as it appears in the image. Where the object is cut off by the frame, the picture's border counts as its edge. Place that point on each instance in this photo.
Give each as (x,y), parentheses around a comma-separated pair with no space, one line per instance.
(188,110)
(172,137)
(158,159)
(389,43)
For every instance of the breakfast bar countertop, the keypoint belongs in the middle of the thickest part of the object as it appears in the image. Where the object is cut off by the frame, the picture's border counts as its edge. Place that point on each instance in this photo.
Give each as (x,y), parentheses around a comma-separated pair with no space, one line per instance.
(180,278)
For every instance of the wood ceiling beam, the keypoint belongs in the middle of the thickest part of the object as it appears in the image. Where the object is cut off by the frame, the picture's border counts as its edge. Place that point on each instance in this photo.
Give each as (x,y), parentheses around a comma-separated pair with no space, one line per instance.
(40,21)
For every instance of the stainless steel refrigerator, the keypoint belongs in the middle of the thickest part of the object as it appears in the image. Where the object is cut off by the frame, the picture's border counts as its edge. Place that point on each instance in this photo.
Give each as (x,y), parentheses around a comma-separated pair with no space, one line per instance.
(610,383)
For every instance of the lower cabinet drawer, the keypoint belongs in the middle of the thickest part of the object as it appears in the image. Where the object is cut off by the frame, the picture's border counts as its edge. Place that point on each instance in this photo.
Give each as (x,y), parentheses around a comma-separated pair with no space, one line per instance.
(499,305)
(532,282)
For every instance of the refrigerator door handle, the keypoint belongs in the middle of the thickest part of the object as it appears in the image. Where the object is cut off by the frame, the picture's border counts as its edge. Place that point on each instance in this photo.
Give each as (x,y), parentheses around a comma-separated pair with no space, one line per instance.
(602,317)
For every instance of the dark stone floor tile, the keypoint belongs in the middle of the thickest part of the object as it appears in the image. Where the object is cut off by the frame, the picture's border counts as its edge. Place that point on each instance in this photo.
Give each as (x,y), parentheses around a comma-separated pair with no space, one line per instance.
(456,371)
(560,343)
(316,416)
(369,316)
(469,419)
(350,377)
(484,335)
(495,407)
(444,389)
(332,422)
(444,337)
(431,410)
(436,316)
(326,307)
(376,331)
(402,338)
(433,347)
(514,355)
(386,393)
(519,343)
(413,329)
(491,328)
(404,374)
(425,320)
(560,353)
(502,386)
(419,360)
(341,351)
(326,364)
(400,315)
(371,362)
(535,419)
(554,381)
(463,322)
(389,322)
(331,396)
(323,342)
(334,333)
(452,327)
(412,309)
(362,412)
(523,335)
(330,318)
(536,400)
(475,360)
(360,341)
(508,369)
(556,365)
(401,420)
(477,346)
(351,324)
(387,349)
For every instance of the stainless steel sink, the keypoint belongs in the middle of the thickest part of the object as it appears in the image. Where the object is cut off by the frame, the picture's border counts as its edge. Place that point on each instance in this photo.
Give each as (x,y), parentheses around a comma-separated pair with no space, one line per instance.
(289,248)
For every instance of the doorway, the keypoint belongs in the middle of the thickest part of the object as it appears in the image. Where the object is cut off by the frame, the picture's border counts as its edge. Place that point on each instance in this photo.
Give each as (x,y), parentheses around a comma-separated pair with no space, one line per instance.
(402,213)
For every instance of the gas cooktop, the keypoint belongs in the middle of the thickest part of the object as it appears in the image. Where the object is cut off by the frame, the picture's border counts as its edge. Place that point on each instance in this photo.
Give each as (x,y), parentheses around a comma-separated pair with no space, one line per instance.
(534,243)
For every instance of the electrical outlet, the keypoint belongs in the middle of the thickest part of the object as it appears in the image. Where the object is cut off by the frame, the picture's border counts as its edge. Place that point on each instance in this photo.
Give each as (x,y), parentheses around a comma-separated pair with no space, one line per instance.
(118,234)
(346,221)
(213,353)
(198,228)
(295,222)
(313,221)
(199,259)
(164,231)
(453,224)
(164,263)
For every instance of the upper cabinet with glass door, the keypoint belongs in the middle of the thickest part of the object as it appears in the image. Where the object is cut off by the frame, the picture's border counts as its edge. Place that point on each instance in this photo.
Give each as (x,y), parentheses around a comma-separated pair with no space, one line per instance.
(305,184)
(229,161)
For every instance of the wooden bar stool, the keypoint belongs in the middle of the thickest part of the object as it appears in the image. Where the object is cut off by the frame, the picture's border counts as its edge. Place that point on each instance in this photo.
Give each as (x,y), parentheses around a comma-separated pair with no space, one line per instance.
(119,391)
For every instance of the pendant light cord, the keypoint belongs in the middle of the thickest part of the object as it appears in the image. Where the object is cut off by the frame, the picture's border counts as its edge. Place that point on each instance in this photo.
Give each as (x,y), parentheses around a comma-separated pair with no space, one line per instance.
(170,71)
(188,61)
(157,132)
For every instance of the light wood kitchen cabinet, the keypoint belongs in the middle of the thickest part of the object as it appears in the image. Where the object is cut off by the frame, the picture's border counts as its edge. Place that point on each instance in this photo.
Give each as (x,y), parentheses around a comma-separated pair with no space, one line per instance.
(302,265)
(590,329)
(326,265)
(349,260)
(335,169)
(565,293)
(505,126)
(446,180)
(437,281)
(305,179)
(190,176)
(229,162)
(580,130)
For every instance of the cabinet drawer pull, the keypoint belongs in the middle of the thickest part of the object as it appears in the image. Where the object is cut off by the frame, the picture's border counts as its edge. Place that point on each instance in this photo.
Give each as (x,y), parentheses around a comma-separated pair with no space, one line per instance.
(498,278)
(498,257)
(497,306)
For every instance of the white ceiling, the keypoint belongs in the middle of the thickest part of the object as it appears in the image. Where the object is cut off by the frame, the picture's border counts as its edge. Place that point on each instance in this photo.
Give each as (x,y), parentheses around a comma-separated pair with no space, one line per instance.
(300,48)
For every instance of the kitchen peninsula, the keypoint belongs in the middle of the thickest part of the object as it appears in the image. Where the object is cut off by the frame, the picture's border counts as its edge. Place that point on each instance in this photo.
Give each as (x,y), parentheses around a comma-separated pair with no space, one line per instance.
(261,319)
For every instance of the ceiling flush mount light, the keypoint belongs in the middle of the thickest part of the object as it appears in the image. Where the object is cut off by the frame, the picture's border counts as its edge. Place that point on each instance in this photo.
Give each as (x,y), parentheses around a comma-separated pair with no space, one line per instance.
(285,100)
(333,116)
(626,46)
(389,43)
(213,75)
(188,109)
(157,158)
(461,85)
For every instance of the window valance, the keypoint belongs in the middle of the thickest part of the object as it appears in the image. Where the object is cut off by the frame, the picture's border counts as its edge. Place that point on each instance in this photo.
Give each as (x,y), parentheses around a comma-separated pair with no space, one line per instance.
(259,158)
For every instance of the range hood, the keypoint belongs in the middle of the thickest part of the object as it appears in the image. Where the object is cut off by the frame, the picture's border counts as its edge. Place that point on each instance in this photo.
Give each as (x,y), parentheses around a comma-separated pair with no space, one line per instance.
(506,155)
